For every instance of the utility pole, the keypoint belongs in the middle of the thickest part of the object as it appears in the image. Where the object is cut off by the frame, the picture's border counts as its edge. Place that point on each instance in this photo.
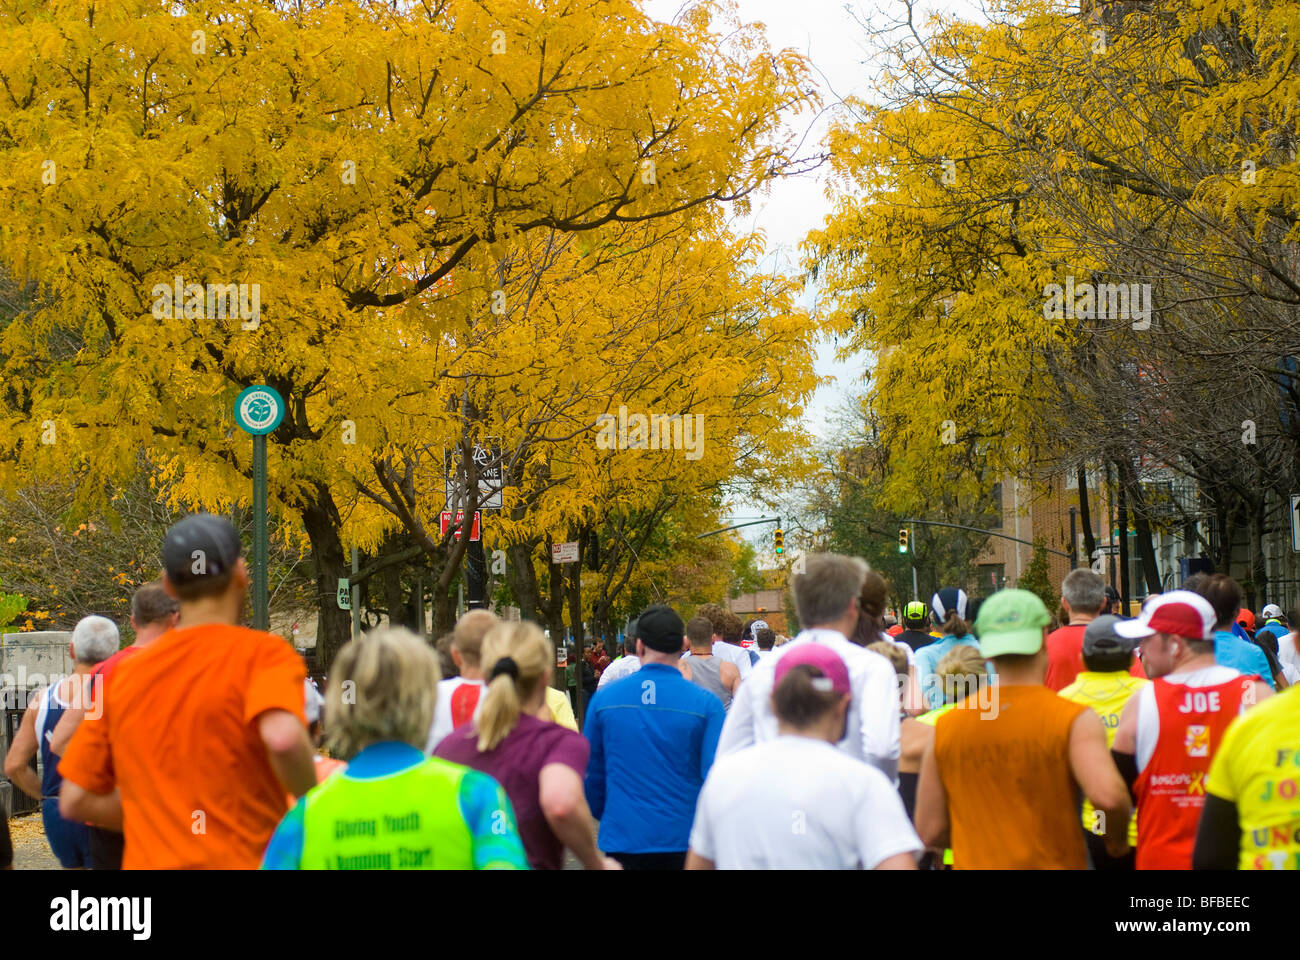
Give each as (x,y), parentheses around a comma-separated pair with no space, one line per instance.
(911,548)
(356,595)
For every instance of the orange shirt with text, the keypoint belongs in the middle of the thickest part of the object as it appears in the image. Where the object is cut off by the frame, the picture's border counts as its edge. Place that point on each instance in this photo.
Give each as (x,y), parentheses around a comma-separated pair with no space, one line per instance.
(1012,799)
(178,736)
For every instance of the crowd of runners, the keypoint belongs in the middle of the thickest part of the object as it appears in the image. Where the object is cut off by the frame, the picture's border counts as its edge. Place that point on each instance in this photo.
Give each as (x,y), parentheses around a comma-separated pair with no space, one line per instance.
(955,739)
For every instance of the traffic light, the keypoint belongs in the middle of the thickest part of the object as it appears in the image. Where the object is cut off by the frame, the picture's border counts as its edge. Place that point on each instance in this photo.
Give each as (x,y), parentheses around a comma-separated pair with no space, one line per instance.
(902,540)
(778,537)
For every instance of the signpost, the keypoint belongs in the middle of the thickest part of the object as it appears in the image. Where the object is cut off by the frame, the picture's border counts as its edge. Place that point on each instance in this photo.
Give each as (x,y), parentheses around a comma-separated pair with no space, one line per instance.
(564,552)
(258,411)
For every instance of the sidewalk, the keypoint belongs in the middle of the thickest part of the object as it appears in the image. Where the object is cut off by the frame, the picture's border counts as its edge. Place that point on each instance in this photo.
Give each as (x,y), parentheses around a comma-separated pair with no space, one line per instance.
(31,852)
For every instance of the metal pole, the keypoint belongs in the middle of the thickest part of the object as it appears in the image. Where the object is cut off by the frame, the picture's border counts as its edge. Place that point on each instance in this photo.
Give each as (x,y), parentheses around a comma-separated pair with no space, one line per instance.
(476,575)
(911,547)
(1112,522)
(1074,540)
(261,613)
(356,596)
(419,605)
(1123,549)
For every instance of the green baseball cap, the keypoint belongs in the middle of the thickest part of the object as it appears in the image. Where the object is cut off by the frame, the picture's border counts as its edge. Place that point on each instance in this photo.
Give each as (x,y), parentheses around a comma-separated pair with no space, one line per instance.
(1011,621)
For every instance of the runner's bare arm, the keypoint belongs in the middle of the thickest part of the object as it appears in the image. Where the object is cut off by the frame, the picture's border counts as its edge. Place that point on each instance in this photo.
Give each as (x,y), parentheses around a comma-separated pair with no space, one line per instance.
(1263,690)
(564,805)
(288,749)
(730,677)
(913,703)
(1099,779)
(899,861)
(101,809)
(932,822)
(21,752)
(695,862)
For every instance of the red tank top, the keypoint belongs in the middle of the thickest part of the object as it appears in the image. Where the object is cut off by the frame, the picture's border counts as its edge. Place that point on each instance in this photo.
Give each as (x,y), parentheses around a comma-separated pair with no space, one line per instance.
(1171,788)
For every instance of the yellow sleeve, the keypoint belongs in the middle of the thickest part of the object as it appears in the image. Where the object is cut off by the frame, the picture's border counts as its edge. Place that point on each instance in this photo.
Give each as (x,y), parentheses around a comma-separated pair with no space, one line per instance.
(1220,781)
(561,708)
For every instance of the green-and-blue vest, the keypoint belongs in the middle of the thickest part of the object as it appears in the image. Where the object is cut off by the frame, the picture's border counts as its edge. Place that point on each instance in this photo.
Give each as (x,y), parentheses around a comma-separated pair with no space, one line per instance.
(429,814)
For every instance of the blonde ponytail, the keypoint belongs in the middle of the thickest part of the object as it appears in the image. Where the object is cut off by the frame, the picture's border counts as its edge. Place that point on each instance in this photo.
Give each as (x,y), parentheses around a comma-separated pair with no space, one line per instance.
(527,653)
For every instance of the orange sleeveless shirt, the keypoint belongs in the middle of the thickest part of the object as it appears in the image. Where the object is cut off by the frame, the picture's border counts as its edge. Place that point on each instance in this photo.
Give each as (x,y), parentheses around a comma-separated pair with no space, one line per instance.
(1012,800)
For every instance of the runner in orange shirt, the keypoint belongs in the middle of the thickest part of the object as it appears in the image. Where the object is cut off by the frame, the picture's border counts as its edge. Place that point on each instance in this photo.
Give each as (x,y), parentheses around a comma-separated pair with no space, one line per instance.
(202,732)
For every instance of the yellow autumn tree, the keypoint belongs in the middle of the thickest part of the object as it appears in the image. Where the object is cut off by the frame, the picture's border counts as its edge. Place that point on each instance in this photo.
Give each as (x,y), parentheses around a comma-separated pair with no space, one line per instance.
(211,195)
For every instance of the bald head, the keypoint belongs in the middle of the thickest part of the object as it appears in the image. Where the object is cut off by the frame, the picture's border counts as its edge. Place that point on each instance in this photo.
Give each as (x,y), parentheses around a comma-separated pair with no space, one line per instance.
(467,637)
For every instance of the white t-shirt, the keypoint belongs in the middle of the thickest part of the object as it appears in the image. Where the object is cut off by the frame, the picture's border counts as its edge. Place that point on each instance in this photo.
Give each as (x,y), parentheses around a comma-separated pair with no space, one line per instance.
(733,654)
(806,806)
(873,715)
(1148,717)
(624,666)
(1288,657)
(443,722)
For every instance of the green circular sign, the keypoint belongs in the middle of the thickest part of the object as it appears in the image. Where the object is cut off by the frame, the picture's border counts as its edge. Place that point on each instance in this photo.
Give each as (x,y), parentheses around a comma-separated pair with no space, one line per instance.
(259,409)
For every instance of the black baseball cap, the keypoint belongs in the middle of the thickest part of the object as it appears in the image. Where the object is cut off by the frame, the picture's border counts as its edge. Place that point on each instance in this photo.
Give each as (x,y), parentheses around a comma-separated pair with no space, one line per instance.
(660,628)
(200,547)
(1100,637)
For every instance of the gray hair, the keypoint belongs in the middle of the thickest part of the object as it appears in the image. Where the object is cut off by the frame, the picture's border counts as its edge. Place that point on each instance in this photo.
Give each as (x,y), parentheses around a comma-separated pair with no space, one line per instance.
(94,640)
(1084,591)
(829,584)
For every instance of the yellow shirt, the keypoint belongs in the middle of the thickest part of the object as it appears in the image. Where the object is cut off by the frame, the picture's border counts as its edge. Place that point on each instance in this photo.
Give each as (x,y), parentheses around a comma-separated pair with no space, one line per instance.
(557,701)
(1257,767)
(1106,694)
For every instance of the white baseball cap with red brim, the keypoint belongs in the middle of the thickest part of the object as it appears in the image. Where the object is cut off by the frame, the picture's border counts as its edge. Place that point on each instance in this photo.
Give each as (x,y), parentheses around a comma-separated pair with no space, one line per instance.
(1179,612)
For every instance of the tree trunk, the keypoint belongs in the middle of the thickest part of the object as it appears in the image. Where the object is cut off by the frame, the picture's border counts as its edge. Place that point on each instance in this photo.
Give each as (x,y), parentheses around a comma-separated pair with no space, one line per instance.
(522,577)
(334,626)
(1085,517)
(1123,549)
(554,611)
(1259,569)
(1142,526)
(444,613)
(574,592)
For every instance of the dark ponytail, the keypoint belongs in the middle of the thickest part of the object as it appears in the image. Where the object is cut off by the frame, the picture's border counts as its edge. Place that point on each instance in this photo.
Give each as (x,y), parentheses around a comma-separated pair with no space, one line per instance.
(872,600)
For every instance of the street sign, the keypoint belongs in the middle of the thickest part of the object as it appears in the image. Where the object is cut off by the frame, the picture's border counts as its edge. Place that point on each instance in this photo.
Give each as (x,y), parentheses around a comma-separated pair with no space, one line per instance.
(487,460)
(474,531)
(344,597)
(259,410)
(564,552)
(1295,522)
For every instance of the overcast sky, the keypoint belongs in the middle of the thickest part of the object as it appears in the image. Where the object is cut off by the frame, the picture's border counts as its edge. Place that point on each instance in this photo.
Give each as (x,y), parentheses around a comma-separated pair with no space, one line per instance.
(829,34)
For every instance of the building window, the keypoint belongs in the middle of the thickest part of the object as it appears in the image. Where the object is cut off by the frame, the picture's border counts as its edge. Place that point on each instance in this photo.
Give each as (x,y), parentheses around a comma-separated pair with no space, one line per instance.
(996,512)
(989,577)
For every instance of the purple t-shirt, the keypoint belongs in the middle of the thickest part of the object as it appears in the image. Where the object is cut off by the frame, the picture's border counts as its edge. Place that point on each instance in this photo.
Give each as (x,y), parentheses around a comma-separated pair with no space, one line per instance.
(516,763)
